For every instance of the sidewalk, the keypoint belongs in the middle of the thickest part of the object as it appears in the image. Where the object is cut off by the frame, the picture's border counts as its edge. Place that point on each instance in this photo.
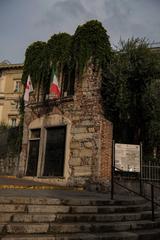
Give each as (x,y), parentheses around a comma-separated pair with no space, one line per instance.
(18,187)
(12,181)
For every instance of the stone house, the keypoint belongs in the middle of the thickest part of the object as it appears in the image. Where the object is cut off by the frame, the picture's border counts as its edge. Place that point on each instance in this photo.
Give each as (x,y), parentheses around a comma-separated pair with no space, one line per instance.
(68,141)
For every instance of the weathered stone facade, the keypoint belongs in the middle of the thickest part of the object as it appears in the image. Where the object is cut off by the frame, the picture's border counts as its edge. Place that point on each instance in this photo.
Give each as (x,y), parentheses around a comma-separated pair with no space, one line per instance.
(88,134)
(8,165)
(9,151)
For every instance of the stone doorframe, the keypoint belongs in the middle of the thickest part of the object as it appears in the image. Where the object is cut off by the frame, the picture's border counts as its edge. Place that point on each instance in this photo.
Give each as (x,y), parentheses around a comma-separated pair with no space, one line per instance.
(43,123)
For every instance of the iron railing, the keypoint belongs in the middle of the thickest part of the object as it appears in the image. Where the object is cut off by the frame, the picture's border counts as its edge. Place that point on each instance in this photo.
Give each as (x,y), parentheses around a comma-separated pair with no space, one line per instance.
(145,180)
(150,171)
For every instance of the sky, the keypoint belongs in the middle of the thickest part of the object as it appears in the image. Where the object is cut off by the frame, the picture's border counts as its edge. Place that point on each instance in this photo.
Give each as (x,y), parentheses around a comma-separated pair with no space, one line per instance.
(23,22)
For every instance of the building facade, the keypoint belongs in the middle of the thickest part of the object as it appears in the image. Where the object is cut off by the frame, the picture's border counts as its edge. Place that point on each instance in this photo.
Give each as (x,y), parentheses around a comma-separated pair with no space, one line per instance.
(10,91)
(68,141)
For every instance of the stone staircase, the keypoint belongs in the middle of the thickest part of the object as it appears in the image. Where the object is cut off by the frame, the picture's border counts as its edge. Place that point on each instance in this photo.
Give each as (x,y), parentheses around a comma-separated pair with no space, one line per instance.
(78,217)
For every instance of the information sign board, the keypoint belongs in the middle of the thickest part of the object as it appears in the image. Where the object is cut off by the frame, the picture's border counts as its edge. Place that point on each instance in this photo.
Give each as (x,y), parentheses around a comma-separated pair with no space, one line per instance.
(127,157)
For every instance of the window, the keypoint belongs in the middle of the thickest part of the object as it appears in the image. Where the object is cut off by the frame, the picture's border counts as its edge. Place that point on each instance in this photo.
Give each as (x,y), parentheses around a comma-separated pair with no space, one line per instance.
(14,105)
(33,152)
(35,133)
(13,122)
(68,82)
(2,83)
(17,87)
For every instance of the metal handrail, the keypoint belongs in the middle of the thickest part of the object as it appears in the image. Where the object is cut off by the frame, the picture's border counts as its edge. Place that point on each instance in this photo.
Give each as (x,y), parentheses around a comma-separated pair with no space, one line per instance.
(152,200)
(155,186)
(152,186)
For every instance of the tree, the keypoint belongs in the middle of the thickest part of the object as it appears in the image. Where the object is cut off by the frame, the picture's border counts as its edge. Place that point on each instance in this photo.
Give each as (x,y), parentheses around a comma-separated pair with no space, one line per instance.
(130,73)
(152,140)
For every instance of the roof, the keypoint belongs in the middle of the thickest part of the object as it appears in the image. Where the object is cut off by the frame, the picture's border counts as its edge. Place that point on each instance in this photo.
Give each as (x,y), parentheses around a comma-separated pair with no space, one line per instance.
(4,65)
(155,45)
(156,49)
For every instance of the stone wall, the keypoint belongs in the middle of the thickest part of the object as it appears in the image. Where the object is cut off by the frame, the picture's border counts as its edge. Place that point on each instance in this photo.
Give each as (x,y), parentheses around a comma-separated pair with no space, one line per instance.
(8,165)
(89,134)
(9,151)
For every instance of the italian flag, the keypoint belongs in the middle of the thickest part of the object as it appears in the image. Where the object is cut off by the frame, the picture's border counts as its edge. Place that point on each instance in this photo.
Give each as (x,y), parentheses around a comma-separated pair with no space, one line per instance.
(54,87)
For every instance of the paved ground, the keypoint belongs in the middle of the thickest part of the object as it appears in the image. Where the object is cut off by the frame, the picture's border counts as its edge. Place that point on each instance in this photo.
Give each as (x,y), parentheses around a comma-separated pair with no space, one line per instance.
(62,194)
(22,187)
(19,181)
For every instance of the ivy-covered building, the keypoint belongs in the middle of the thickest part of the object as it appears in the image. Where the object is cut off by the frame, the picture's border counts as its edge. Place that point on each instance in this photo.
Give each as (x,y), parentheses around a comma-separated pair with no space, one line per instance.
(67,140)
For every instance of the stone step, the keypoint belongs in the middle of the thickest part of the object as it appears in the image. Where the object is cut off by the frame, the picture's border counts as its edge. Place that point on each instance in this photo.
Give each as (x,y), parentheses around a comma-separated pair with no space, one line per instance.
(148,234)
(87,202)
(115,217)
(19,228)
(85,227)
(137,235)
(76,218)
(101,227)
(109,209)
(6,208)
(29,200)
(76,236)
(72,202)
(27,217)
(48,209)
(33,208)
(45,217)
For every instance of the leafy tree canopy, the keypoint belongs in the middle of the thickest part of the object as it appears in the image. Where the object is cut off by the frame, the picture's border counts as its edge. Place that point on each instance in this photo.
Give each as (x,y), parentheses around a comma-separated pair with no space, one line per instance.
(130,73)
(89,40)
(59,47)
(34,57)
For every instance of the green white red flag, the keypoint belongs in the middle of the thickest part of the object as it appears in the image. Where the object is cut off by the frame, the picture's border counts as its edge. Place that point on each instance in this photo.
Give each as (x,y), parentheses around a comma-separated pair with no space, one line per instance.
(55,90)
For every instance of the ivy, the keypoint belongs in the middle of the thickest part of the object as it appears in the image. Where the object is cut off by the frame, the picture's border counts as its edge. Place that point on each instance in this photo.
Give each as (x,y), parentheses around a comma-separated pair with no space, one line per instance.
(68,53)
(21,112)
(34,62)
(58,48)
(58,54)
(91,40)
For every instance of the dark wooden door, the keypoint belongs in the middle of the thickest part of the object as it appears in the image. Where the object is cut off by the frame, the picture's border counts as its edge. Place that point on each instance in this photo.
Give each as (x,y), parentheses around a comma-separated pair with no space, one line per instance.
(55,150)
(33,158)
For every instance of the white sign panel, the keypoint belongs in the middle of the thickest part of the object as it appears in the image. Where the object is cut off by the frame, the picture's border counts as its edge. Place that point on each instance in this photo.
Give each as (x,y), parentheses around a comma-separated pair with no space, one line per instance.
(127,157)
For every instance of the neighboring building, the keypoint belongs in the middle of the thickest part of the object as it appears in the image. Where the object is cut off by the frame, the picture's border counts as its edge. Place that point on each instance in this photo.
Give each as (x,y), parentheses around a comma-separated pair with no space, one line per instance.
(10,92)
(68,141)
(155,47)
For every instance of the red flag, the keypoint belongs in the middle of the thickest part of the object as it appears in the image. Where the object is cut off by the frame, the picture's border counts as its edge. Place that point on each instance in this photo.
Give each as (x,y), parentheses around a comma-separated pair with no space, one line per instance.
(28,89)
